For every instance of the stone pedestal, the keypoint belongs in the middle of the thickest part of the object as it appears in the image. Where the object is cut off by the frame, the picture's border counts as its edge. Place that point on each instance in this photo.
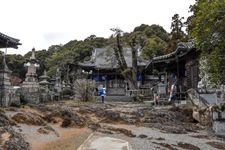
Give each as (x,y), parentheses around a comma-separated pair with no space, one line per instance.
(8,95)
(219,123)
(31,92)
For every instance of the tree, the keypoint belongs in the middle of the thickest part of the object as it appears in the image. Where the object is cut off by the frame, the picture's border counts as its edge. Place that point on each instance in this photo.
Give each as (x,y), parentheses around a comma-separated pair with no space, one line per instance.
(127,72)
(206,27)
(151,39)
(84,90)
(66,57)
(16,64)
(153,46)
(177,34)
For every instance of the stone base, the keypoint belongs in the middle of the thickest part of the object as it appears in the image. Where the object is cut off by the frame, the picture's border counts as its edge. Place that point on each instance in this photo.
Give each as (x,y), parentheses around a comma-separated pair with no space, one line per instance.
(9,96)
(115,91)
(218,123)
(31,92)
(219,128)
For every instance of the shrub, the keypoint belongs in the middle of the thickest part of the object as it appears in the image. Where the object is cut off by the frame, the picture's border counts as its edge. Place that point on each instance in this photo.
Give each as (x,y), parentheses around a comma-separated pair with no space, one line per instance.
(84,90)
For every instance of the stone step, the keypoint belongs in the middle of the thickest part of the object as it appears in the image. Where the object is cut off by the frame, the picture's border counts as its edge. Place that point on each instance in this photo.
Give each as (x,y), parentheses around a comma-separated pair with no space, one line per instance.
(116,98)
(101,142)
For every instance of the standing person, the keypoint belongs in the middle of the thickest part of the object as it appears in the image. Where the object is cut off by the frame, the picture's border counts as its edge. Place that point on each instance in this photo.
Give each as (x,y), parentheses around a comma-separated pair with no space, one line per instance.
(102,93)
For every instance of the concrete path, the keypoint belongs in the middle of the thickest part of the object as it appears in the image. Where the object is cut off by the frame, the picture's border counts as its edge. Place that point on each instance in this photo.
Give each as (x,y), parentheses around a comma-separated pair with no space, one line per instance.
(100,142)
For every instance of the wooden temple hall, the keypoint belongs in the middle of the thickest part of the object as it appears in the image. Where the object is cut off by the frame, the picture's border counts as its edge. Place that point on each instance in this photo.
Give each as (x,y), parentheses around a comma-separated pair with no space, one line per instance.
(178,68)
(104,70)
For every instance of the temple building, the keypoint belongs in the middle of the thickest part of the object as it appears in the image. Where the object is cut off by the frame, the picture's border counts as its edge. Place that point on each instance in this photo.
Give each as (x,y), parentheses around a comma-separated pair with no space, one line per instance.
(104,70)
(8,94)
(179,67)
(30,87)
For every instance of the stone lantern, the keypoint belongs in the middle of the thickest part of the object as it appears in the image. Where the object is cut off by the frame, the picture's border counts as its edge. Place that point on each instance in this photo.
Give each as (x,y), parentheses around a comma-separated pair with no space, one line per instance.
(44,87)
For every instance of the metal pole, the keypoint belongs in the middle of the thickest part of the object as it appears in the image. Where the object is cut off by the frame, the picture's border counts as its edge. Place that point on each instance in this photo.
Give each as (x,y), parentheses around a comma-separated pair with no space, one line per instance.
(178,76)
(116,80)
(98,77)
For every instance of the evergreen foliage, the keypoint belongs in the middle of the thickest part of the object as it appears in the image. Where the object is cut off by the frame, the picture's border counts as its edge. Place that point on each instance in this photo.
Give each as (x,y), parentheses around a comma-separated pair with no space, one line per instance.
(207,27)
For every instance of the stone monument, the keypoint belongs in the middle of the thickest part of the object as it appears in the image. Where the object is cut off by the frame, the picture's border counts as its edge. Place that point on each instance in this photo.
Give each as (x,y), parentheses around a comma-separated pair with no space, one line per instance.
(58,84)
(8,94)
(30,87)
(44,88)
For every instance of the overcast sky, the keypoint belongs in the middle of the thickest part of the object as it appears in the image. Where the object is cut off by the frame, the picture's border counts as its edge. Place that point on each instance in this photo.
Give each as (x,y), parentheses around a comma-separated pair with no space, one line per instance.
(42,23)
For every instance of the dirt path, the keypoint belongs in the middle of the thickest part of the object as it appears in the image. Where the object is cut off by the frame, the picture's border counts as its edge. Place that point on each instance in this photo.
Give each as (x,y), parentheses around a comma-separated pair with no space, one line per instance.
(67,138)
(70,139)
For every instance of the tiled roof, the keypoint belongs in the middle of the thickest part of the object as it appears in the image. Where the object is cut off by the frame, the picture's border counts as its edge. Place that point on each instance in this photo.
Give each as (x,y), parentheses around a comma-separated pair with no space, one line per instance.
(182,49)
(7,41)
(104,58)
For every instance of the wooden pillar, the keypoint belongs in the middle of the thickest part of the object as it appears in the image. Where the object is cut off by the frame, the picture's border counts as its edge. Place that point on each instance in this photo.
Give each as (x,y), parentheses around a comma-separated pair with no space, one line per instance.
(178,74)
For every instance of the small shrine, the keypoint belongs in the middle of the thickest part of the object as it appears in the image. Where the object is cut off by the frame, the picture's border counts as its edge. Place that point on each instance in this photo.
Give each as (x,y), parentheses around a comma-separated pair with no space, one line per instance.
(30,87)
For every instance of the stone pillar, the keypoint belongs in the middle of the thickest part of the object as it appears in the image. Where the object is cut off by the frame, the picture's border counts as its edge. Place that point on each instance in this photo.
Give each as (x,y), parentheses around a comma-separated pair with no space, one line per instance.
(5,87)
(58,84)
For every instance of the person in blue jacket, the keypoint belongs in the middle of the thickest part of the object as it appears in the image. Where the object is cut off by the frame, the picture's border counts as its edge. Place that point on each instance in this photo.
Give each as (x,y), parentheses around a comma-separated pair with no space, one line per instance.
(102,93)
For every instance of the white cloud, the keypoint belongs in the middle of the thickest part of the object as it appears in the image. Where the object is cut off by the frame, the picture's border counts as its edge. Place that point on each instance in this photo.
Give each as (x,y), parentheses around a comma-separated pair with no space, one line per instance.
(41,23)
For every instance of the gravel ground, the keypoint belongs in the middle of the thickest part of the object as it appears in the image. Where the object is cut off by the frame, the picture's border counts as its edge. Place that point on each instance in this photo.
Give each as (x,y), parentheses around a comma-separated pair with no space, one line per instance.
(144,127)
(155,139)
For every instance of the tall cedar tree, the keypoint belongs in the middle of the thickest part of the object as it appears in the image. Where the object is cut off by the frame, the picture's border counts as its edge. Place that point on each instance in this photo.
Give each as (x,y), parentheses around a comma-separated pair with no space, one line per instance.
(177,34)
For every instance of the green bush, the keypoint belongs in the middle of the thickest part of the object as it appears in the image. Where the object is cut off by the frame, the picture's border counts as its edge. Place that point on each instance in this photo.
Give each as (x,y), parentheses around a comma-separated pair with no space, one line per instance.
(219,108)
